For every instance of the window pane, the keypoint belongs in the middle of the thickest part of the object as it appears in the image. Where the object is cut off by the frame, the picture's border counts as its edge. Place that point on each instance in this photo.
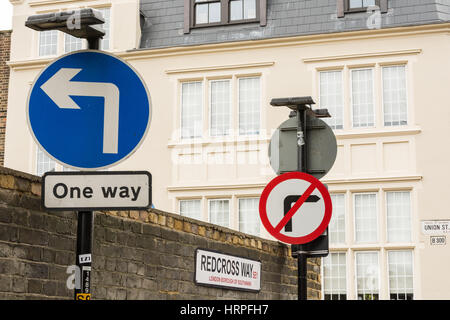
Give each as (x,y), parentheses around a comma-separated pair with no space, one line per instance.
(398,216)
(236,10)
(43,163)
(249,216)
(249,9)
(362,98)
(394,96)
(337,224)
(71,43)
(334,276)
(220,108)
(355,4)
(219,212)
(331,97)
(201,13)
(191,209)
(368,3)
(48,43)
(191,110)
(249,106)
(367,275)
(214,12)
(105,41)
(365,218)
(400,275)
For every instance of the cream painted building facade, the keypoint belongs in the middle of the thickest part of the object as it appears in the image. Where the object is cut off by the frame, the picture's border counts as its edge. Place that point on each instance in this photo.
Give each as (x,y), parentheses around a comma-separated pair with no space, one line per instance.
(212,121)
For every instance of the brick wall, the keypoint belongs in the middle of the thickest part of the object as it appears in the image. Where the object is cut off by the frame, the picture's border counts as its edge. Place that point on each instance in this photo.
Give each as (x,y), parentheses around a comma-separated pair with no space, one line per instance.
(136,254)
(5,44)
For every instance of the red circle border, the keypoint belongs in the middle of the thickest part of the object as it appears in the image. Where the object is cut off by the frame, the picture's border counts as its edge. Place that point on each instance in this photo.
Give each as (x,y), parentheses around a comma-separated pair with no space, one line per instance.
(323,191)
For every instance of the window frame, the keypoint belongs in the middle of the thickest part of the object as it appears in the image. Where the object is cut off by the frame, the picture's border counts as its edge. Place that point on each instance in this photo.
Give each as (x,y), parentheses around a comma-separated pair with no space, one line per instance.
(412,252)
(208,24)
(377,217)
(190,199)
(181,132)
(238,95)
(229,211)
(374,102)
(347,8)
(411,234)
(69,37)
(47,160)
(346,274)
(230,101)
(344,242)
(355,261)
(189,15)
(341,70)
(54,46)
(383,104)
(257,13)
(239,215)
(107,38)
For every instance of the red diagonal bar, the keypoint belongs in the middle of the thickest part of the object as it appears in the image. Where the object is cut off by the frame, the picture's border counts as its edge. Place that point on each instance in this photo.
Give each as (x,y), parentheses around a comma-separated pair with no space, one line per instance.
(294,208)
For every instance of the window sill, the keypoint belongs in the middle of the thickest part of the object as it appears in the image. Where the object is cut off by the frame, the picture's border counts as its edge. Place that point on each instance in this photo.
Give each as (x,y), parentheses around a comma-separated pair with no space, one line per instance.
(220,24)
(376,132)
(358,10)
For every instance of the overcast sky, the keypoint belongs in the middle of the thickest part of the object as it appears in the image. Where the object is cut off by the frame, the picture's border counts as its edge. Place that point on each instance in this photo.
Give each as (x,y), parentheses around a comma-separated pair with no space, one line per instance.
(5,14)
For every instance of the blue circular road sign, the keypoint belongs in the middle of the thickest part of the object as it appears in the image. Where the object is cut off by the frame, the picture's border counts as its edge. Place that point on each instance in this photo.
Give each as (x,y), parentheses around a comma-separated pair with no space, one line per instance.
(89,110)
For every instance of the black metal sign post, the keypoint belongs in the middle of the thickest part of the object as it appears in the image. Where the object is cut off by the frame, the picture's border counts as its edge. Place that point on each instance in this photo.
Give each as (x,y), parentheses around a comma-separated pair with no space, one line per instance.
(302,259)
(83,24)
(302,110)
(84,254)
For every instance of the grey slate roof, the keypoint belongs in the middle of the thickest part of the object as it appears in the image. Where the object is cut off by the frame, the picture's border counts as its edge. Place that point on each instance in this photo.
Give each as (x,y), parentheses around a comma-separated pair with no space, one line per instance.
(163,26)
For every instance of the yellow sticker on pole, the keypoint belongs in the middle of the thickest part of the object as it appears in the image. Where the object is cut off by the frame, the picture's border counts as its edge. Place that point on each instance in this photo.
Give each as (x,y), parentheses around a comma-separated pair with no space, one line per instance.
(83,296)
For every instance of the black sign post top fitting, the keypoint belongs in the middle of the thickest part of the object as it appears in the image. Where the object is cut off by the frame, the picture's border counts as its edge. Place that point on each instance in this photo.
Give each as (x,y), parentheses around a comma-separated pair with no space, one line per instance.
(300,104)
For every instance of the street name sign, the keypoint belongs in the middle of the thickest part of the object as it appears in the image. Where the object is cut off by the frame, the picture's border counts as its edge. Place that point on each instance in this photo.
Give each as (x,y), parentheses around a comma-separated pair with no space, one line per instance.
(89,110)
(114,190)
(435,227)
(222,270)
(295,208)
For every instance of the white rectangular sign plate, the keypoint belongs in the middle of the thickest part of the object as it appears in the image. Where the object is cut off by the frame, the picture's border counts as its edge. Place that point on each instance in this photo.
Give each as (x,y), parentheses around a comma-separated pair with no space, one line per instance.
(226,271)
(114,190)
(435,227)
(438,240)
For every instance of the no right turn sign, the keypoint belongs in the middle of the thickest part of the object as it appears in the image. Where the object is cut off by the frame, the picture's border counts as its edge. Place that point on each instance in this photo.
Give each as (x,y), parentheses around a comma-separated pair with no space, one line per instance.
(295,208)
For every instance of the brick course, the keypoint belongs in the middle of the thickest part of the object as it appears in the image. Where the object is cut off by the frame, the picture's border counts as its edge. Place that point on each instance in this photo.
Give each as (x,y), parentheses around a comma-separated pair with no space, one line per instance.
(136,254)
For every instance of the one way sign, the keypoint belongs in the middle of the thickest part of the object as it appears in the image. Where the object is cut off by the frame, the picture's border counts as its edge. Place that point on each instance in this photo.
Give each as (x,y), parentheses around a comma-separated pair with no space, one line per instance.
(115,190)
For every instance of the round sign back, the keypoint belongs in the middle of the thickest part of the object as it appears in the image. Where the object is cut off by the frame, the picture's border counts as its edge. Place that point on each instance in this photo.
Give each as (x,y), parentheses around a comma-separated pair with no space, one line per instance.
(321,147)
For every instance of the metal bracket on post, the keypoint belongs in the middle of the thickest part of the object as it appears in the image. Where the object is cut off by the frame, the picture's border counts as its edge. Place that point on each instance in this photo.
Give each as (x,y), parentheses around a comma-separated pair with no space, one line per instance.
(93,43)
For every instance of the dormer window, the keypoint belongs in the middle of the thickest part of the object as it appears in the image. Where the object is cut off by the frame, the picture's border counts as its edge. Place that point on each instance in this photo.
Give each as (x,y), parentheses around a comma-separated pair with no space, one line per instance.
(360,5)
(352,6)
(207,13)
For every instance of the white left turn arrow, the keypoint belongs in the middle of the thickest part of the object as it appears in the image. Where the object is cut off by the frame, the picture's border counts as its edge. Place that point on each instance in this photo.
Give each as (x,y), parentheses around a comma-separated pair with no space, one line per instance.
(59,88)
